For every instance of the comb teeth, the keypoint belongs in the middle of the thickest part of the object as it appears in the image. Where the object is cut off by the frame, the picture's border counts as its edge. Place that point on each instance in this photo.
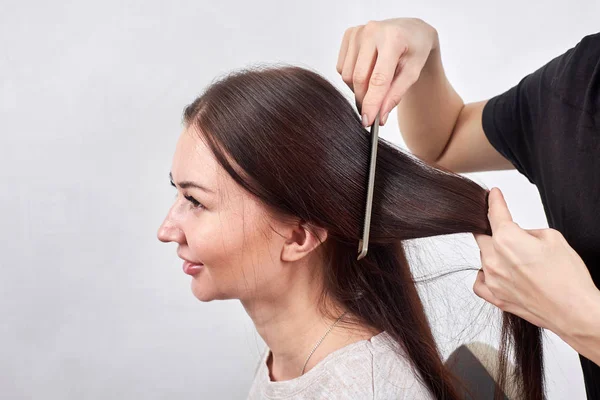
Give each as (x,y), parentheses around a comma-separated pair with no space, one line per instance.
(363,244)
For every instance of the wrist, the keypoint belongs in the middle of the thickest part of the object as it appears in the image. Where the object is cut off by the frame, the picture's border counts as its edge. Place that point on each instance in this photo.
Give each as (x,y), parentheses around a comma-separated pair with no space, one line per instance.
(433,64)
(584,324)
(435,46)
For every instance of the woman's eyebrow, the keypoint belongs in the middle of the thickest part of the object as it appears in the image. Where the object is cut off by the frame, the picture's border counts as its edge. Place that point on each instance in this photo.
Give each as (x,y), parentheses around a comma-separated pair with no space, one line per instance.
(189,184)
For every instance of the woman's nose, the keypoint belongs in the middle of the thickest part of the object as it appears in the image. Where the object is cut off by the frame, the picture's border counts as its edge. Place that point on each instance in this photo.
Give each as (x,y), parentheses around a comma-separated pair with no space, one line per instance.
(170,232)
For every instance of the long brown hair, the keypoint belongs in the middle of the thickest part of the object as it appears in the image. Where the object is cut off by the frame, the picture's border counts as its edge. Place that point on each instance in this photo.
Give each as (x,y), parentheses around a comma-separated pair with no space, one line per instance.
(262,124)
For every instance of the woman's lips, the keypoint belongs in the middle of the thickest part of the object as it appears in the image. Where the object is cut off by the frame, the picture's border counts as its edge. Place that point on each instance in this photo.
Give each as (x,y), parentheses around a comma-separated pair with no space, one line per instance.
(192,269)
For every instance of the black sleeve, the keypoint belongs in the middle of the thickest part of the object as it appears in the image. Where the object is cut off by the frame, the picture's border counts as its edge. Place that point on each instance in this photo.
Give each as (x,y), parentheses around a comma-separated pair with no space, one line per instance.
(514,121)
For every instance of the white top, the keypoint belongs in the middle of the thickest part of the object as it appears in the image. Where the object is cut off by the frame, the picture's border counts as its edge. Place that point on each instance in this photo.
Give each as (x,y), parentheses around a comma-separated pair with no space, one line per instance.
(367,369)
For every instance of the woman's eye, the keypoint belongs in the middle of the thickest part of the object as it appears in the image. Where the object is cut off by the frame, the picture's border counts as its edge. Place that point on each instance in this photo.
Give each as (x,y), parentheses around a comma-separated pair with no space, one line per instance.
(194,202)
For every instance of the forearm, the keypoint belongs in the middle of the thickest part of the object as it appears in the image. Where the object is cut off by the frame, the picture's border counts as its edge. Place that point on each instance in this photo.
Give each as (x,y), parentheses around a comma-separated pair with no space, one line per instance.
(429,110)
(583,334)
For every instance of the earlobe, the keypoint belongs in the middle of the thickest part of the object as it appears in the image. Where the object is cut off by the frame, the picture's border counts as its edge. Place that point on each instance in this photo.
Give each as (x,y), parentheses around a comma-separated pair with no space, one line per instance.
(303,240)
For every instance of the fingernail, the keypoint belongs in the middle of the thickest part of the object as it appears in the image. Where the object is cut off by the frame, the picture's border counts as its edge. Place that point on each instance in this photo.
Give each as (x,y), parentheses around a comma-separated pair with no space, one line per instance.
(385,117)
(365,120)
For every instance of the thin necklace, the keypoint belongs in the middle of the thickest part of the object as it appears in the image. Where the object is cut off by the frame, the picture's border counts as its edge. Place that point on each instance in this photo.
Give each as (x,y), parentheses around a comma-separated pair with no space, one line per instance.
(321,341)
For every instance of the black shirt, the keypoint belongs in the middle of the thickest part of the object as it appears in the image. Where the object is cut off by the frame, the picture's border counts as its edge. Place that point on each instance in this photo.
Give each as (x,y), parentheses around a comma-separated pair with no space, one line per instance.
(548,126)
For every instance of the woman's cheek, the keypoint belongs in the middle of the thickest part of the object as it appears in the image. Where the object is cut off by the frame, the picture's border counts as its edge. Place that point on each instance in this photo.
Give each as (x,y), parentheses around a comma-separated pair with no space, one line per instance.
(210,244)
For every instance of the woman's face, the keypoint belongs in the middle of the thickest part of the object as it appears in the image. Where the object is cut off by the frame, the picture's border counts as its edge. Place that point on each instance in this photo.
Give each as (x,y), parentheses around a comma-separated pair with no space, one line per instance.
(222,227)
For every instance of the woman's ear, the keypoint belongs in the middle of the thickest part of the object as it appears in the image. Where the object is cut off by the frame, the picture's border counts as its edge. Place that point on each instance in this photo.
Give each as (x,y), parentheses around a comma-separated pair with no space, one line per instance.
(302,239)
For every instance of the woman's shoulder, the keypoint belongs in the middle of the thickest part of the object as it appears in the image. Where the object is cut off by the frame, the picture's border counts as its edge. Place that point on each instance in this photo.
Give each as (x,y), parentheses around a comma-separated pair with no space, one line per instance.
(376,368)
(393,368)
(382,364)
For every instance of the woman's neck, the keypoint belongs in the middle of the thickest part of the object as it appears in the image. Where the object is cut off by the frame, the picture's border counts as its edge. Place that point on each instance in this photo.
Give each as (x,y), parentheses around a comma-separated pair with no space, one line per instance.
(292,326)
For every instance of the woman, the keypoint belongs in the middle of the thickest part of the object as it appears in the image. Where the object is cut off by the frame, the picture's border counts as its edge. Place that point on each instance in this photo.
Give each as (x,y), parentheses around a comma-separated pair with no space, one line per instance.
(271,171)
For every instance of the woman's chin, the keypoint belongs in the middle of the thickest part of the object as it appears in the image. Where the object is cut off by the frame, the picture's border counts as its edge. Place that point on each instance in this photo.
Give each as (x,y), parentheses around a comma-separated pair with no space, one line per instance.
(205,291)
(201,291)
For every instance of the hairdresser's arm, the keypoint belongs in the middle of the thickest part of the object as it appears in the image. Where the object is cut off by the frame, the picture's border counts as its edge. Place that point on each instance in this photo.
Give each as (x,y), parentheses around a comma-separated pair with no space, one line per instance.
(439,128)
(436,124)
(536,275)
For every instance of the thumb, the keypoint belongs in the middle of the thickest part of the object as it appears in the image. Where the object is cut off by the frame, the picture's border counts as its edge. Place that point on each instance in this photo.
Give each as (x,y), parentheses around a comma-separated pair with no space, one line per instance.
(498,210)
(408,76)
(380,83)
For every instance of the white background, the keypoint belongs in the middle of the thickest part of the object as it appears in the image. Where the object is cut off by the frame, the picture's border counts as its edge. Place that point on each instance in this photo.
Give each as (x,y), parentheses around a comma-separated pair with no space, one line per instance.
(91,95)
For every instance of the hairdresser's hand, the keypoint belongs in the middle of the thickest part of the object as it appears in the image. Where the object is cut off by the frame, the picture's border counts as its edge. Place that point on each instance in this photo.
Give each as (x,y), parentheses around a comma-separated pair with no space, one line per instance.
(533,274)
(381,60)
